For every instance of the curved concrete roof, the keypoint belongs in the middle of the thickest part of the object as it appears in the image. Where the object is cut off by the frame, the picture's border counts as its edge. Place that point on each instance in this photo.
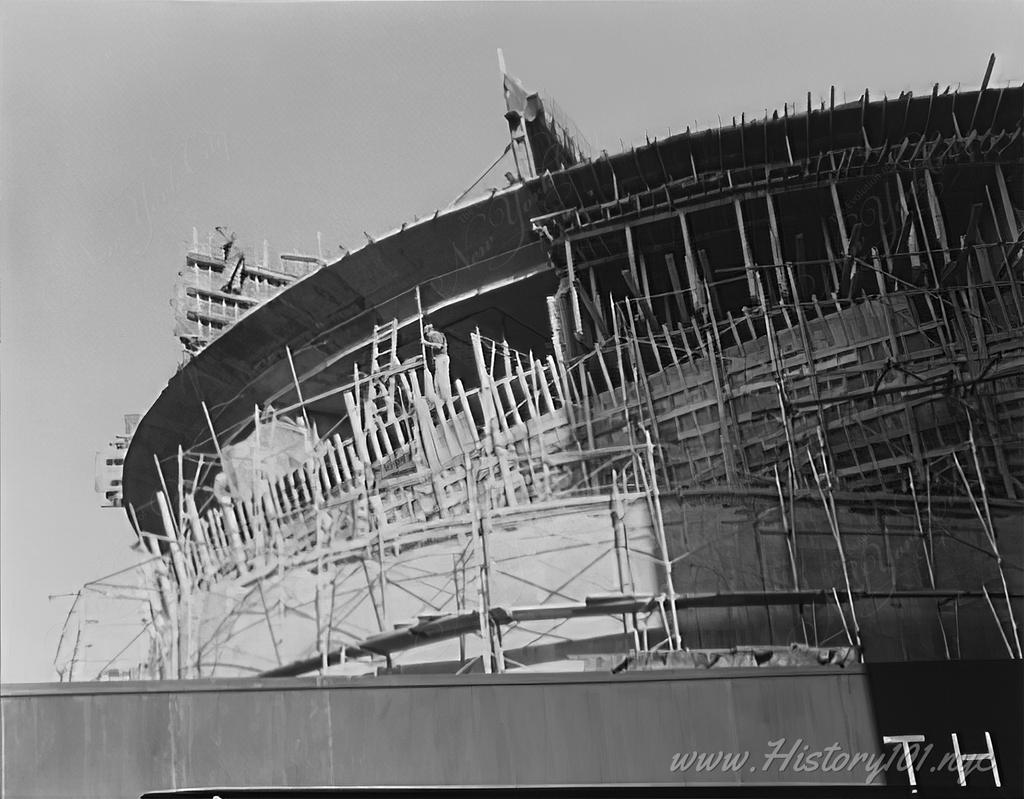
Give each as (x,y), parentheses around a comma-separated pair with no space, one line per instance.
(448,255)
(484,241)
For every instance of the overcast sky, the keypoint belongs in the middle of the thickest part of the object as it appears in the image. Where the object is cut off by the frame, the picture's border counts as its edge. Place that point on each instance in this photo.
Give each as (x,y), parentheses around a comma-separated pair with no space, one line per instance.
(122,126)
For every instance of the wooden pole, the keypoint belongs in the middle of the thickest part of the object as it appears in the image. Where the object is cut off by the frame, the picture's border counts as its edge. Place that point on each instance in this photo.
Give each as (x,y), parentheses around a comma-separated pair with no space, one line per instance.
(790,543)
(990,535)
(298,390)
(181,490)
(577,318)
(823,481)
(163,484)
(697,290)
(928,557)
(180,632)
(216,446)
(999,624)
(659,528)
(677,287)
(631,256)
(482,609)
(206,556)
(776,242)
(728,454)
(748,258)
(842,616)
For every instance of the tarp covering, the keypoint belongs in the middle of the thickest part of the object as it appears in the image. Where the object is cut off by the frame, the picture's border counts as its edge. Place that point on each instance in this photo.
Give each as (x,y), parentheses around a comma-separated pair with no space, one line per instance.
(279,446)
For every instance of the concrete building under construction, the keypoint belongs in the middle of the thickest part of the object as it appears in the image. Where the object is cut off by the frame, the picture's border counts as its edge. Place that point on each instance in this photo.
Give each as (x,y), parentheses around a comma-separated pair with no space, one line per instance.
(742,398)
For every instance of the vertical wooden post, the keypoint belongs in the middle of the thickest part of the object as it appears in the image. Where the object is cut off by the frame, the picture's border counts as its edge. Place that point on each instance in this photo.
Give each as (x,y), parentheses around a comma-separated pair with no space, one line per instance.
(482,610)
(912,243)
(620,544)
(216,446)
(577,319)
(645,282)
(990,535)
(181,491)
(776,241)
(823,481)
(830,254)
(659,527)
(166,493)
(690,262)
(728,455)
(298,390)
(1004,198)
(631,256)
(594,293)
(180,632)
(199,536)
(677,287)
(748,258)
(937,222)
(495,641)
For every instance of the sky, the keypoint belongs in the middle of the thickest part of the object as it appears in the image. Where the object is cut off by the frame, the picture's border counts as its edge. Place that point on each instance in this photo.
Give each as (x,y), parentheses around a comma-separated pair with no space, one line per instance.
(124,125)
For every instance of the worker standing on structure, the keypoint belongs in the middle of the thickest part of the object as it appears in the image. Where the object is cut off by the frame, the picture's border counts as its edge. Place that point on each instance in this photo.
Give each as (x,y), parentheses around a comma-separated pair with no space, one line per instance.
(438,344)
(229,241)
(238,271)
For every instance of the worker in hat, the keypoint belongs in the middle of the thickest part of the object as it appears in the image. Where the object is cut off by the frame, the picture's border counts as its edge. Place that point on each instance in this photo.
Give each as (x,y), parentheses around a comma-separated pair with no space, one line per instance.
(437,343)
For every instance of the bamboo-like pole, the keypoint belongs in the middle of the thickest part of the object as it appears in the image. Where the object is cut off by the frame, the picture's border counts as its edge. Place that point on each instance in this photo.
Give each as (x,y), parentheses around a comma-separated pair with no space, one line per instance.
(920,527)
(790,537)
(181,490)
(659,528)
(483,612)
(318,521)
(643,388)
(419,318)
(926,545)
(618,535)
(748,258)
(776,244)
(626,579)
(180,636)
(780,387)
(577,318)
(842,616)
(599,356)
(698,291)
(495,630)
(163,484)
(830,512)
(587,410)
(999,624)
(540,380)
(789,526)
(986,524)
(216,446)
(298,388)
(64,630)
(203,550)
(677,287)
(725,436)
